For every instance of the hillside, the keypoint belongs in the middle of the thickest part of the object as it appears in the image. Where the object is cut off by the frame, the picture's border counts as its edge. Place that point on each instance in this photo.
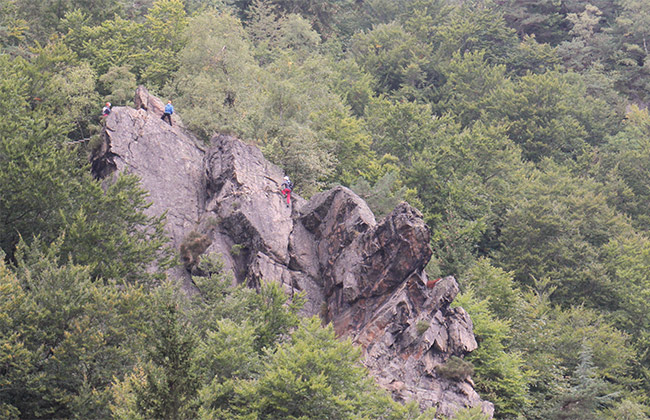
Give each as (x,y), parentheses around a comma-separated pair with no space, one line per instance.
(518,130)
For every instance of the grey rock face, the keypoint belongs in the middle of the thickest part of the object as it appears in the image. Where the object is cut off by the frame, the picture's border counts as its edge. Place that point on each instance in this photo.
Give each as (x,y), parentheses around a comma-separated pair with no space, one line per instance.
(166,159)
(365,277)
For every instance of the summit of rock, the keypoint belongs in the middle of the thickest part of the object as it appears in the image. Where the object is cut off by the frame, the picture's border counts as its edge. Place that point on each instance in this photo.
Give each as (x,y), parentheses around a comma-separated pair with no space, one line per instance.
(364,276)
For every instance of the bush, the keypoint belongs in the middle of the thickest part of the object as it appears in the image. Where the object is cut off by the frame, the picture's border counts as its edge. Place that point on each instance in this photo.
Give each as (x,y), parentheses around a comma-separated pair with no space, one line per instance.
(422,326)
(192,247)
(237,249)
(456,369)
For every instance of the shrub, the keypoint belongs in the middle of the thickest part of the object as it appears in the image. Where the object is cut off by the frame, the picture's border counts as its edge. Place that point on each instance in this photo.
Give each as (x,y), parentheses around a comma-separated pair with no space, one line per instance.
(455,369)
(422,326)
(237,249)
(192,247)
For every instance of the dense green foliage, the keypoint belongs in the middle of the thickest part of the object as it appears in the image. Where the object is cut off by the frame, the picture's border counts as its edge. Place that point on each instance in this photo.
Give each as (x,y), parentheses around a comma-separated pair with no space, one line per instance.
(72,347)
(519,128)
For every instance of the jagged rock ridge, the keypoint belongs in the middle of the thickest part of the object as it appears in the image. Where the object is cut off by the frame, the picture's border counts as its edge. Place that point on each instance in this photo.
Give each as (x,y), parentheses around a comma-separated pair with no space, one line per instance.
(365,277)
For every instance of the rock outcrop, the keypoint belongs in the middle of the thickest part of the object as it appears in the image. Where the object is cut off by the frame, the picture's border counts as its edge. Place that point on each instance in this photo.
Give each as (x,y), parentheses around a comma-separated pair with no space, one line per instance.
(365,277)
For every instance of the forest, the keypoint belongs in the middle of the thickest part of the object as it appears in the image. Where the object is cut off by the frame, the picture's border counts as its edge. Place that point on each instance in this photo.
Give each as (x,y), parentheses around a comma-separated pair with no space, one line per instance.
(519,128)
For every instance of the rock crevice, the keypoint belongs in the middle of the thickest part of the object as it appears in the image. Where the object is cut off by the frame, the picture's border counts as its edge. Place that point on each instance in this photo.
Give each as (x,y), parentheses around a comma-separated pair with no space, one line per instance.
(364,276)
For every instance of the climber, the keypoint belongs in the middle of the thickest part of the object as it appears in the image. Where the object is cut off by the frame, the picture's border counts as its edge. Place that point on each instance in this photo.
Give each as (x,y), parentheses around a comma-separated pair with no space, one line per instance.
(106,110)
(432,283)
(287,186)
(169,110)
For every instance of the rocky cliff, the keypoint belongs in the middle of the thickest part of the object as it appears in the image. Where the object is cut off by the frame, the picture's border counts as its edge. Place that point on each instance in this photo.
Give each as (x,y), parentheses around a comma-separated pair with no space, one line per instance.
(365,277)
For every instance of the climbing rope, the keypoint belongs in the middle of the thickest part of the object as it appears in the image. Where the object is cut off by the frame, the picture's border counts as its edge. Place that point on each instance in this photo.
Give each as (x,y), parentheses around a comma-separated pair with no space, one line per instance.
(78,141)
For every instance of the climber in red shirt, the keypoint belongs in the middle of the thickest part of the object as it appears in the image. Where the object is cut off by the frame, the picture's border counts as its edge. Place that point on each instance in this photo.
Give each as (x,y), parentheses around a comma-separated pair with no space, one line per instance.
(287,186)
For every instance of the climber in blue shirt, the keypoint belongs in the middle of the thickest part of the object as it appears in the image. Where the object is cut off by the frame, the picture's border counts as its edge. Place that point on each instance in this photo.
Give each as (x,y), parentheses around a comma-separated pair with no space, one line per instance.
(169,110)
